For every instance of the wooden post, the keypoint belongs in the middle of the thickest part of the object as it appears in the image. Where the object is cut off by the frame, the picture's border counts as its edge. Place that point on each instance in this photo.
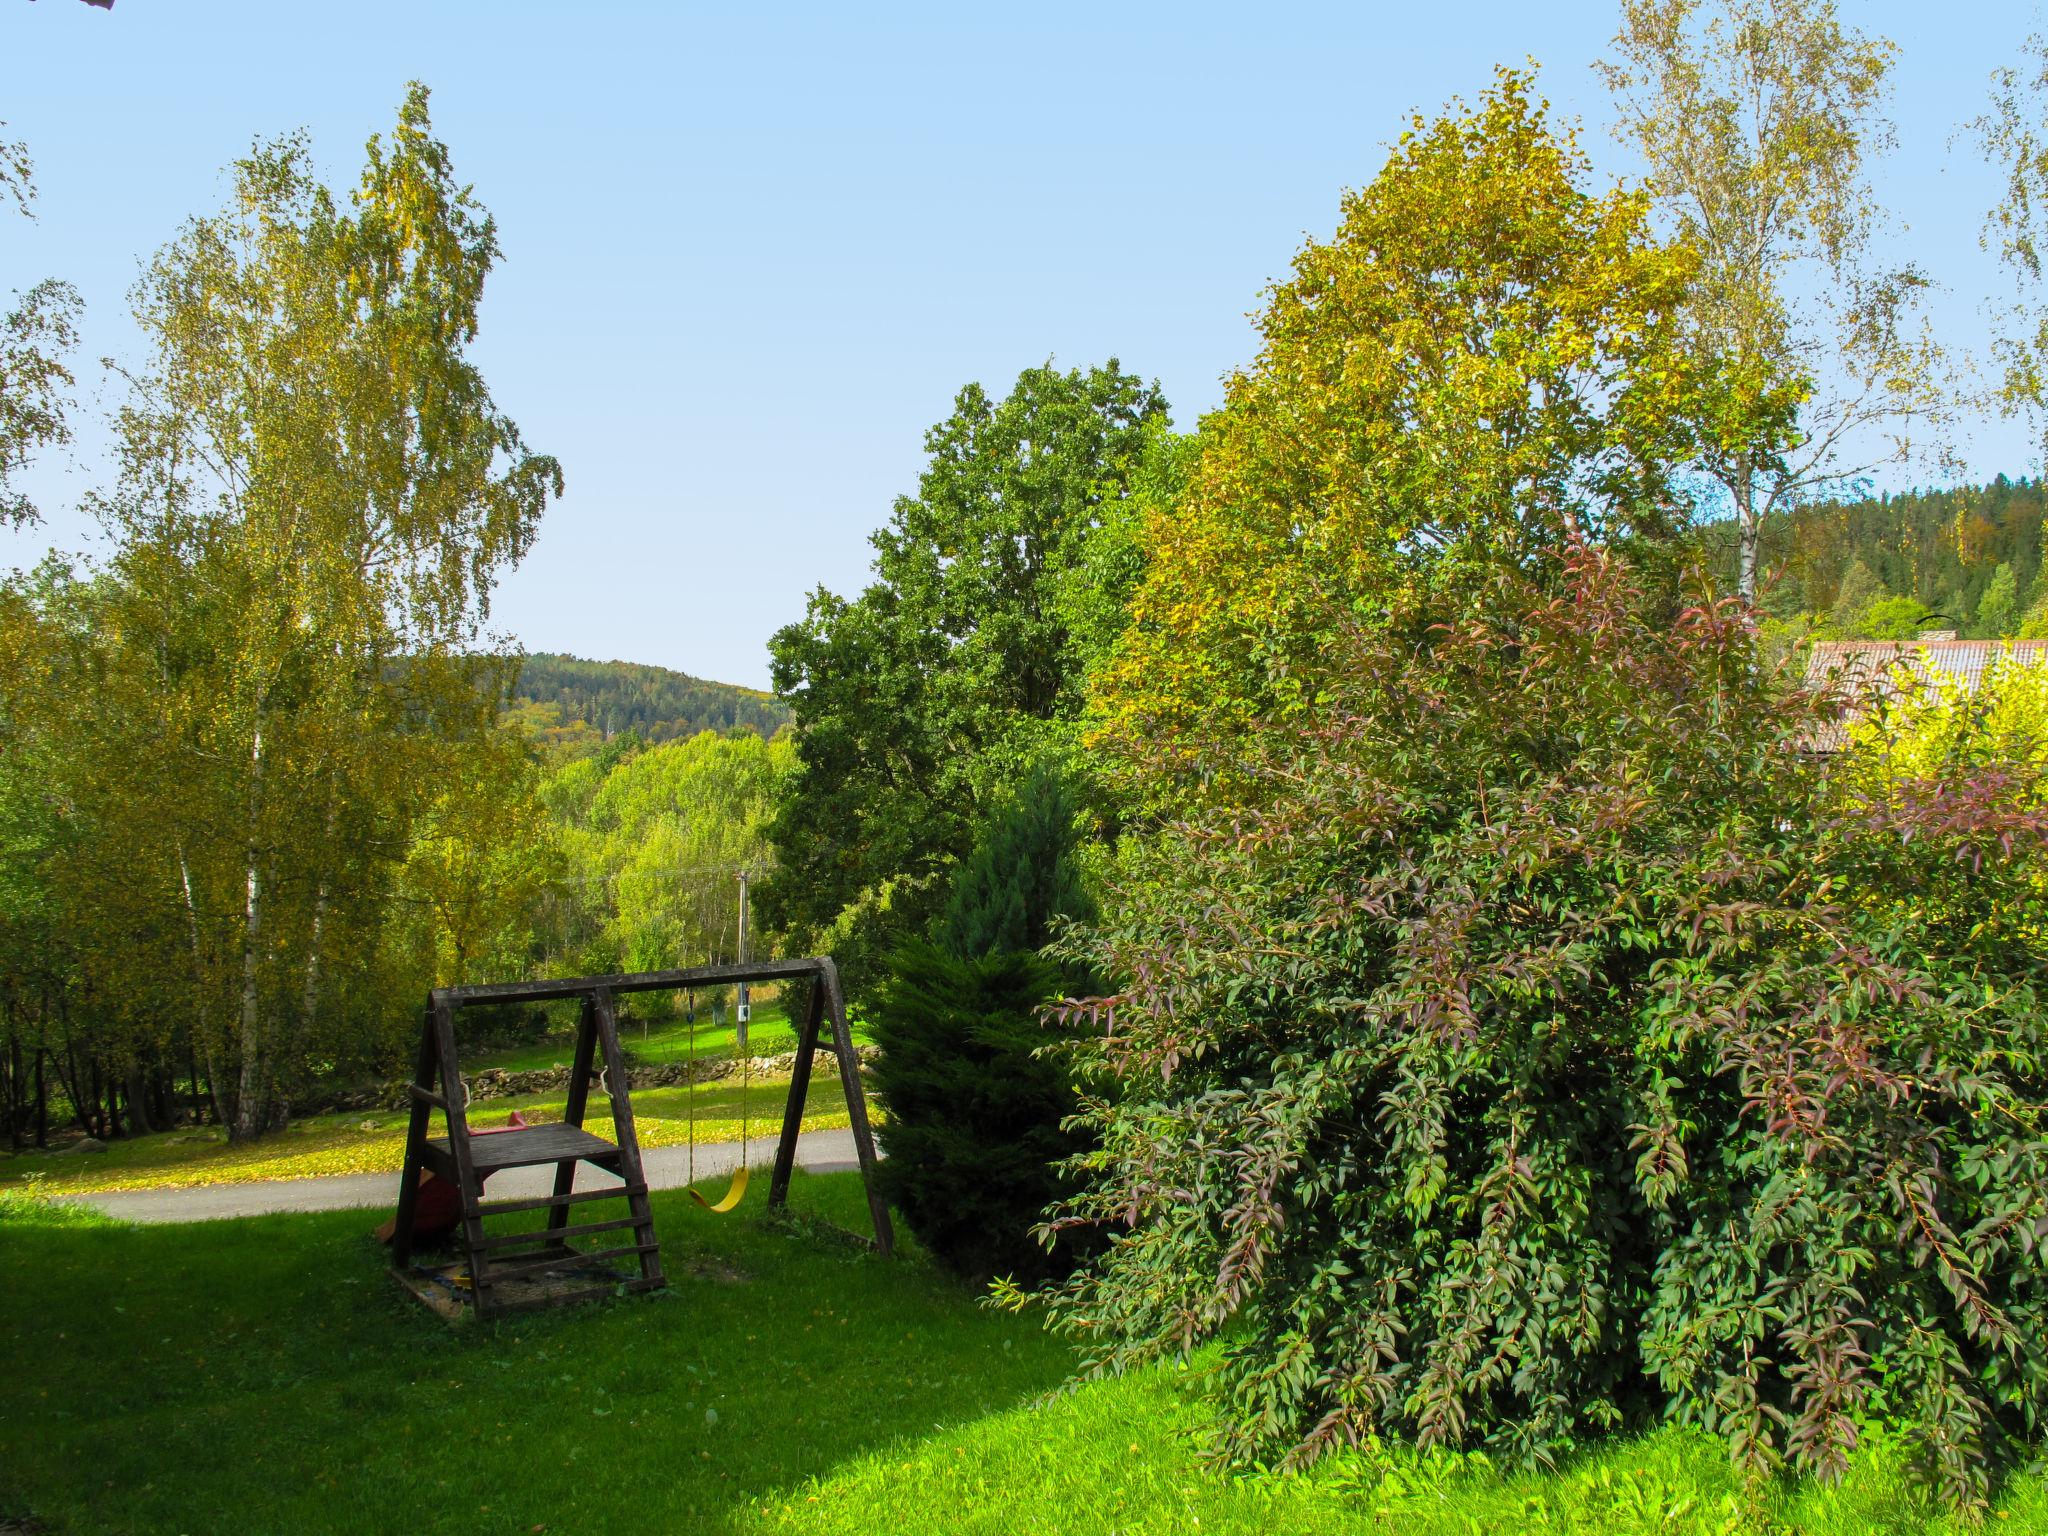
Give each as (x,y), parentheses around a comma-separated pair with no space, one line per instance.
(856,1104)
(577,1106)
(799,1092)
(627,1138)
(467,1188)
(423,1074)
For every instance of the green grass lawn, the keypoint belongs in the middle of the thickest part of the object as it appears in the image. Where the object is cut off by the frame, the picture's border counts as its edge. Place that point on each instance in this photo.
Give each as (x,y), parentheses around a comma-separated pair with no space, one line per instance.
(654,1036)
(265,1376)
(374,1141)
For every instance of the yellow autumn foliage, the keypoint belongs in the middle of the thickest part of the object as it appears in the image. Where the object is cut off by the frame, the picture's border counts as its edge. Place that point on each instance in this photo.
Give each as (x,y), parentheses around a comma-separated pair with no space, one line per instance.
(1482,361)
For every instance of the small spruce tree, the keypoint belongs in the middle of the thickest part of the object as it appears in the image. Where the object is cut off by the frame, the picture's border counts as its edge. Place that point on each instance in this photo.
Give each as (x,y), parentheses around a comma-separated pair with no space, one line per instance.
(1998,610)
(974,1113)
(1858,590)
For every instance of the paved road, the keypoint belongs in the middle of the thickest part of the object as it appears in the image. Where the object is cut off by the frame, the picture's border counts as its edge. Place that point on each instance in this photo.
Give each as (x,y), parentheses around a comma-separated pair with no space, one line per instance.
(667,1168)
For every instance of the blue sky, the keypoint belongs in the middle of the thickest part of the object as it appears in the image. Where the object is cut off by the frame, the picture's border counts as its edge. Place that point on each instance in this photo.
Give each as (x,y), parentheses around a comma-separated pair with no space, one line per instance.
(751,253)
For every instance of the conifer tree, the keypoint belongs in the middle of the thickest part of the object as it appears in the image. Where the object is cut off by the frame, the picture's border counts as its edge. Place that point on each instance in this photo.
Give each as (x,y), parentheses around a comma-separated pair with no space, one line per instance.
(1859,589)
(1998,611)
(974,1112)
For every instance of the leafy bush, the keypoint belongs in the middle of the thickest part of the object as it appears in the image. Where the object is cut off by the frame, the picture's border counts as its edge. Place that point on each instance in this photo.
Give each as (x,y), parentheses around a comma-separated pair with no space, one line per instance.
(975,1110)
(1549,1043)
(1995,738)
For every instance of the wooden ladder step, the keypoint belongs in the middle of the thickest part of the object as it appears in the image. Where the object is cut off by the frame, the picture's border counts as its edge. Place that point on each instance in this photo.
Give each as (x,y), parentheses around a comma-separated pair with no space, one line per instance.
(575,1197)
(520,1239)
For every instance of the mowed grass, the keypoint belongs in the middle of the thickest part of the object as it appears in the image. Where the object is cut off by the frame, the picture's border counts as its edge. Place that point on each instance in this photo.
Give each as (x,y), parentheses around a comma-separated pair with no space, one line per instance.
(265,1376)
(373,1141)
(654,1033)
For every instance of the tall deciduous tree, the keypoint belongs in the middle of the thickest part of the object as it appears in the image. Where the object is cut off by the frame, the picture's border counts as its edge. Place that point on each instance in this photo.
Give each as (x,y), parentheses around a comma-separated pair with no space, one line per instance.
(34,336)
(2014,137)
(1481,364)
(1759,119)
(962,664)
(318,492)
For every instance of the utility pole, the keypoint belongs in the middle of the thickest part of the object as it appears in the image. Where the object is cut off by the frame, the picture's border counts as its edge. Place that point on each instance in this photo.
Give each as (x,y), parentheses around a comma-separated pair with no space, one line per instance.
(744,1012)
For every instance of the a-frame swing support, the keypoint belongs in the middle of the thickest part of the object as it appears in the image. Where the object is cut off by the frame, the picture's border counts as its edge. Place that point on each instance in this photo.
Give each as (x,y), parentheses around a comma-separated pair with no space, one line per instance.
(468,1160)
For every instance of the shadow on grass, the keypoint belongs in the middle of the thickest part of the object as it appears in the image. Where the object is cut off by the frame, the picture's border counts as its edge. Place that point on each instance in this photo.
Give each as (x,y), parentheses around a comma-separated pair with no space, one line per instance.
(267,1375)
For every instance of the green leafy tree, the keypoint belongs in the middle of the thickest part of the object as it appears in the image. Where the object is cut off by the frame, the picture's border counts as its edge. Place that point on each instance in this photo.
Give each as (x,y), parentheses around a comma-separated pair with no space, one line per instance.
(34,336)
(976,1103)
(317,495)
(651,841)
(2034,625)
(480,858)
(2015,142)
(921,700)
(1481,364)
(1893,618)
(1759,119)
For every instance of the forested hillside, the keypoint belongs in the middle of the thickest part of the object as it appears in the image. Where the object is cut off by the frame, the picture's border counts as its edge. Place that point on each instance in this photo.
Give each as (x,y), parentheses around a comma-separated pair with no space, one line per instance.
(565,700)
(1967,559)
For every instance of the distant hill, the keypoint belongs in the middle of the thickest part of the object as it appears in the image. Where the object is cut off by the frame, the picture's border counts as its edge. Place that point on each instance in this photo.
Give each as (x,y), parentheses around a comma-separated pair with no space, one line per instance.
(567,701)
(1942,548)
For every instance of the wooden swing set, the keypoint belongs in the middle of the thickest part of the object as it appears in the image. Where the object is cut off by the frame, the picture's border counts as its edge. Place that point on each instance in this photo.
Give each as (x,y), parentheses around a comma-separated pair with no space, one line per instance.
(505,1272)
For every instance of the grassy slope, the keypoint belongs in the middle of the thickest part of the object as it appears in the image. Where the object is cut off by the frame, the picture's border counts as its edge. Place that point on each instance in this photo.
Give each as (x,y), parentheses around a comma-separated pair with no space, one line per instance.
(262,1376)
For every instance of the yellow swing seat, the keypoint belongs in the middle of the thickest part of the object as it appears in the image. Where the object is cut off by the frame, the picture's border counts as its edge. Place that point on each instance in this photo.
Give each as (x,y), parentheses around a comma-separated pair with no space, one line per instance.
(732,1197)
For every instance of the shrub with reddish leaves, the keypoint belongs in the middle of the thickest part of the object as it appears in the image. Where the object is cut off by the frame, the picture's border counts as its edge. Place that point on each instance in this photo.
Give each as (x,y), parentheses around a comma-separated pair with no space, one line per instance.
(1550,1043)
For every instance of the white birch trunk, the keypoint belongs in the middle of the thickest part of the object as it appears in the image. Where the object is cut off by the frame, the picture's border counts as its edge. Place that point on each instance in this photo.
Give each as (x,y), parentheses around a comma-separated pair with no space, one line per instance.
(252,1104)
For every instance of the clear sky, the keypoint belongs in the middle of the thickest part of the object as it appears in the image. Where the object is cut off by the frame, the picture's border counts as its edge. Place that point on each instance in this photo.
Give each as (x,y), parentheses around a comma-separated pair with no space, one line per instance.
(751,252)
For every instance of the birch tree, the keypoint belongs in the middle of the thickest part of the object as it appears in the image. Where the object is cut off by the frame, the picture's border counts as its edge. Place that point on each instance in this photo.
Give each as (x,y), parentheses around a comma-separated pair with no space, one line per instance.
(1759,120)
(2013,135)
(35,334)
(319,486)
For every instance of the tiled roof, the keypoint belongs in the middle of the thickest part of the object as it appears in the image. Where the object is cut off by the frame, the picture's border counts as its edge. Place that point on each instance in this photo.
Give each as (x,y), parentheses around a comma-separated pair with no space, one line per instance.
(1861,670)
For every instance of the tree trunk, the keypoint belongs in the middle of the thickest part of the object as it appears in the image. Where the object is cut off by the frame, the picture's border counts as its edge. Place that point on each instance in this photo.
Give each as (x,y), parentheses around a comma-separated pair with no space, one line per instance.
(252,1095)
(74,1087)
(1746,528)
(42,1100)
(141,1109)
(223,1111)
(17,1093)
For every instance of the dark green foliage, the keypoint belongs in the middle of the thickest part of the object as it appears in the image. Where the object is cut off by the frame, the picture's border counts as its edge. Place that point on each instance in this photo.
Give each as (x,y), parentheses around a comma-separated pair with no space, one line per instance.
(1944,549)
(933,692)
(1020,876)
(974,1111)
(614,697)
(974,1134)
(1550,1044)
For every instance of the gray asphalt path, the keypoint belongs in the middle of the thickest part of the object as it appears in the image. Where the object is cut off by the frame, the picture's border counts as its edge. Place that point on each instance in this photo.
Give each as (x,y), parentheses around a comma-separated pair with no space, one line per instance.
(667,1168)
